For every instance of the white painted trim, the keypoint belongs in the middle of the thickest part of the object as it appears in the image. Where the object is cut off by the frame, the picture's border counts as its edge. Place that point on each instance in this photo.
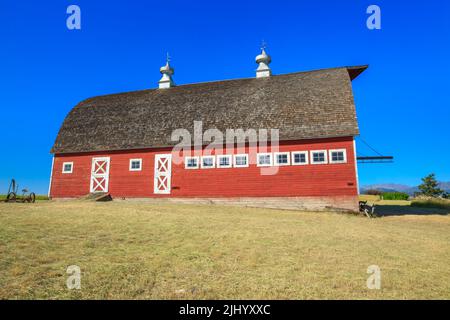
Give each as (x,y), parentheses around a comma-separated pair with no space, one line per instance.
(293,153)
(230,161)
(325,156)
(240,165)
(167,174)
(208,157)
(64,165)
(344,151)
(356,165)
(186,162)
(275,159)
(140,165)
(101,175)
(51,178)
(264,164)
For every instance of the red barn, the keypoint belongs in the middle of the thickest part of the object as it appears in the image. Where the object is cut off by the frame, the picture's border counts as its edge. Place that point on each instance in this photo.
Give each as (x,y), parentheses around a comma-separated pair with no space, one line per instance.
(123,144)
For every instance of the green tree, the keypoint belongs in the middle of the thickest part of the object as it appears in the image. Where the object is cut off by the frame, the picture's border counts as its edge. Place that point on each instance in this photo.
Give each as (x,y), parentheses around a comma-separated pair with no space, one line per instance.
(429,186)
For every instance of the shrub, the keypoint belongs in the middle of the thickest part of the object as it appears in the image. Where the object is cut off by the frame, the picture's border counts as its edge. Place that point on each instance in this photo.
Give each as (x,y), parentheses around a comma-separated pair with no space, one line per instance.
(431,203)
(395,196)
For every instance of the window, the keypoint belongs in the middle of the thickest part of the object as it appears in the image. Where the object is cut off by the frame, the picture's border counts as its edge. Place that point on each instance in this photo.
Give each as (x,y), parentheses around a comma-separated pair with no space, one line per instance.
(338,156)
(208,162)
(224,161)
(319,157)
(191,163)
(67,167)
(281,158)
(299,157)
(241,160)
(264,159)
(135,164)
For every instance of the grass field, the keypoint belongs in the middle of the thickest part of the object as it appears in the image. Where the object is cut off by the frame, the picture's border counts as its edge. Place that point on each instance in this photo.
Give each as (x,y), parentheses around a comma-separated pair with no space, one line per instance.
(431,203)
(376,200)
(145,250)
(38,196)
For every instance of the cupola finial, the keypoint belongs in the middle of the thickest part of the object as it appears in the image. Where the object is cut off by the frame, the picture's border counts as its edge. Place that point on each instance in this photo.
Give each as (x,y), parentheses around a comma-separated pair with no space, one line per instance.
(263,45)
(263,60)
(167,71)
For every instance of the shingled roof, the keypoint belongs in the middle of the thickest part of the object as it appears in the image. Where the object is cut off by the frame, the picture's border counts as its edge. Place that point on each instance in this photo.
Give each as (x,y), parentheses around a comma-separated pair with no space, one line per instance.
(302,105)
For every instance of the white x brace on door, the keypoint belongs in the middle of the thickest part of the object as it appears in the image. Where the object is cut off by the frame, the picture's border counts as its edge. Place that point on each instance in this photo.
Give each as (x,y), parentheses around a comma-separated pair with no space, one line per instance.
(163,173)
(100,174)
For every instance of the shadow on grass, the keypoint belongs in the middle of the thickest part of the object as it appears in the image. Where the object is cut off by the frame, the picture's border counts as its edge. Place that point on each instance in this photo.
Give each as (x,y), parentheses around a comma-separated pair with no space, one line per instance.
(383,210)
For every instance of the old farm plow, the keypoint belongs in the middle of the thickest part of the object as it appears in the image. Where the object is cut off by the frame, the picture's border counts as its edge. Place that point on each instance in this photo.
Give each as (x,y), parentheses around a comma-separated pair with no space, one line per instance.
(13,196)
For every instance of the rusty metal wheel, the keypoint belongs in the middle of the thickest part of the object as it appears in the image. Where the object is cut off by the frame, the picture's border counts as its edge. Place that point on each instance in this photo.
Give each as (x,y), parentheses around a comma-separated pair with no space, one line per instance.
(11,197)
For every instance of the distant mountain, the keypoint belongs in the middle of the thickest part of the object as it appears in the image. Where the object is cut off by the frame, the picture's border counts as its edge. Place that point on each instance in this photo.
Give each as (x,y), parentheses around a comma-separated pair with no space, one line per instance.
(445,185)
(392,187)
(387,186)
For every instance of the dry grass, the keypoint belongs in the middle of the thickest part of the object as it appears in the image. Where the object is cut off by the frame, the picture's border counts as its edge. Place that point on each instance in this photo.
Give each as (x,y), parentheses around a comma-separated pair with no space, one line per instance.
(169,251)
(431,203)
(406,207)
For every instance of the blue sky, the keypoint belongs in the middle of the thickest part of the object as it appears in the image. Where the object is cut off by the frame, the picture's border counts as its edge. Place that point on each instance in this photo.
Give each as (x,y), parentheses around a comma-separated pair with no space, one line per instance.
(402,99)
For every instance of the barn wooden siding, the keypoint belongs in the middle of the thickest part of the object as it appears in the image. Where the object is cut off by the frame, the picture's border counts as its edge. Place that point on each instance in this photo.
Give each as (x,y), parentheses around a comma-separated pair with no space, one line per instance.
(326,180)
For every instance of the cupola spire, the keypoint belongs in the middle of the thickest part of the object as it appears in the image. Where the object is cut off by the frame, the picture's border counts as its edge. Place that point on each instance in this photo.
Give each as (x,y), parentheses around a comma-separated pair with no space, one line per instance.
(167,71)
(263,60)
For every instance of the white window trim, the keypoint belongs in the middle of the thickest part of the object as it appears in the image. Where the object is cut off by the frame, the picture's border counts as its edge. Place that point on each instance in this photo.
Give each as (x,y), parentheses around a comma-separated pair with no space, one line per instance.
(140,165)
(230,160)
(213,162)
(186,162)
(344,151)
(325,156)
(64,165)
(240,165)
(293,153)
(275,157)
(264,154)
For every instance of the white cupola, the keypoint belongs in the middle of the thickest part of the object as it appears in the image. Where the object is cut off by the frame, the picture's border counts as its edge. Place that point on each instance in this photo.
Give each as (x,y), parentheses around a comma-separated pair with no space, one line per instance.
(167,71)
(263,60)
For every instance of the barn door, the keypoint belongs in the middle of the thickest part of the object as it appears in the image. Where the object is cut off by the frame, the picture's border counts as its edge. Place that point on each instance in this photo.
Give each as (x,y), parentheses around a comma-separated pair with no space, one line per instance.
(163,173)
(100,175)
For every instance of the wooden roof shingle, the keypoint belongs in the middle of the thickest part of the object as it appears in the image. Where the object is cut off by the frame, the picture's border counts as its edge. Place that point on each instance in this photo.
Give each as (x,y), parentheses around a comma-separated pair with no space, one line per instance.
(302,105)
